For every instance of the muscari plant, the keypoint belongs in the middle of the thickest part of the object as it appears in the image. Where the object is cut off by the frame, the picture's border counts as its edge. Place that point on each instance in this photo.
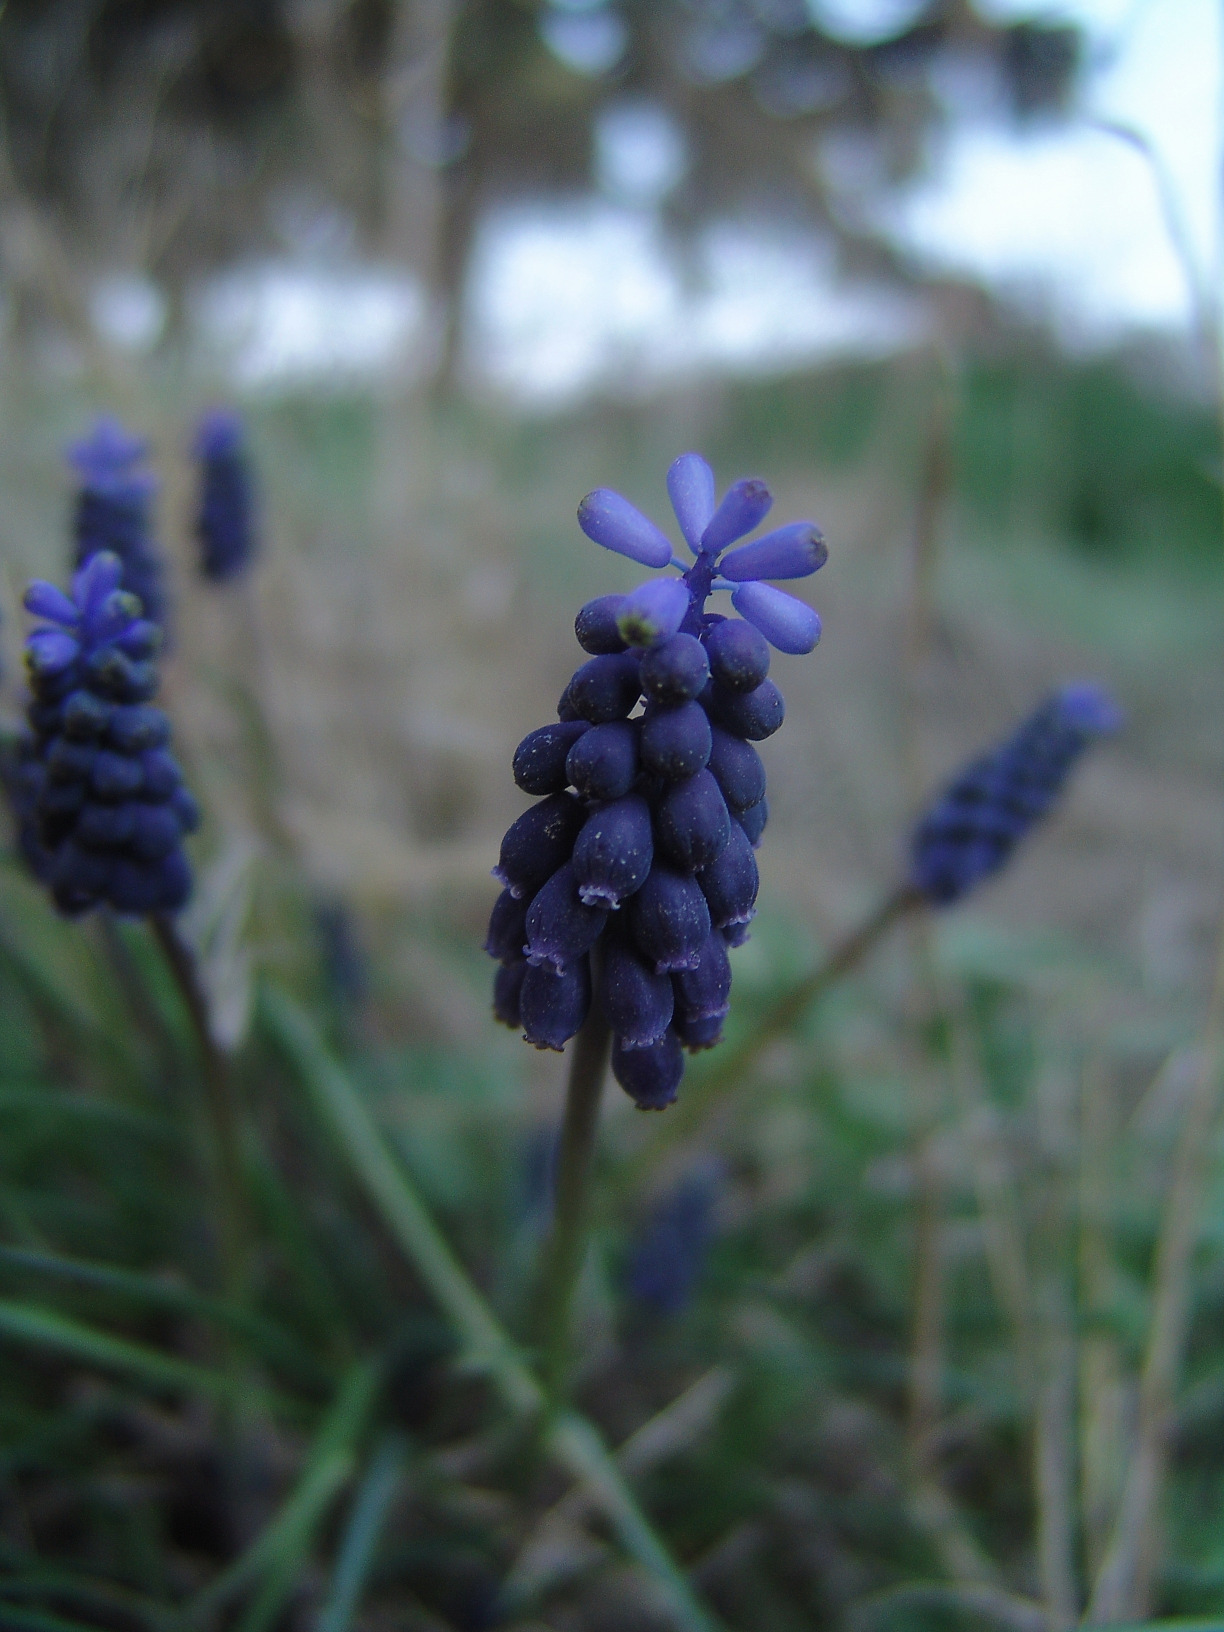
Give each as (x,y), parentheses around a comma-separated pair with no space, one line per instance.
(631,878)
(225,520)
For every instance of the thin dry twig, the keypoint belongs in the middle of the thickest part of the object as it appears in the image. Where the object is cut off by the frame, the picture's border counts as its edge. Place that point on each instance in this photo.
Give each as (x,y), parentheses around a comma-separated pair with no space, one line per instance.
(1124,1581)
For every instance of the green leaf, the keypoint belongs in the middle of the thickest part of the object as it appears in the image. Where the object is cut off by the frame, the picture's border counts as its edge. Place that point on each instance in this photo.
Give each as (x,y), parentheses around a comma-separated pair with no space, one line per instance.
(277,1552)
(272,1342)
(361,1535)
(24,1324)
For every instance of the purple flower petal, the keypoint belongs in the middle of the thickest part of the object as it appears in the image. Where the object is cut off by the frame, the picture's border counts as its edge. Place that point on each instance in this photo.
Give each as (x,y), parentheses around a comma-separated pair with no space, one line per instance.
(101,574)
(1089,708)
(793,551)
(112,616)
(51,650)
(745,505)
(46,601)
(690,486)
(608,519)
(790,625)
(653,612)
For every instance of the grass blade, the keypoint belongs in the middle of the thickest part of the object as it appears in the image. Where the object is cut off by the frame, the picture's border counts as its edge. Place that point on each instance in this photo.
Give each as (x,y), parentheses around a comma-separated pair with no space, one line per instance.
(274,1344)
(43,1329)
(278,1550)
(362,1535)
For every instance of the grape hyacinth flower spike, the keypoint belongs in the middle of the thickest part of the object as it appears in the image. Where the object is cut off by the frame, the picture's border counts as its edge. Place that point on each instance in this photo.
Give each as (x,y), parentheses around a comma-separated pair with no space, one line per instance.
(225,523)
(629,880)
(974,825)
(112,512)
(105,797)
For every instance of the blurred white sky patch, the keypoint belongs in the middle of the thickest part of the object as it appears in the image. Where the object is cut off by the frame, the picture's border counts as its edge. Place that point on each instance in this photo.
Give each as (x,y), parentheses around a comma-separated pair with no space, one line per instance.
(128,311)
(563,299)
(286,323)
(1066,219)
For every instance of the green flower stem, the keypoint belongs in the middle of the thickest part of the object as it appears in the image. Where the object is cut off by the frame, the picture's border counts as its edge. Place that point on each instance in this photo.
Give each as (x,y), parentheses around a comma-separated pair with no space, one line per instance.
(783,1014)
(221,1103)
(566,1247)
(569,1438)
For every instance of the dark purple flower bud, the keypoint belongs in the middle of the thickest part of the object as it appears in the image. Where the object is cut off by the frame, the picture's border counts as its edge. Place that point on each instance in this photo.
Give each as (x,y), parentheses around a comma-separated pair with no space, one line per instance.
(507,987)
(653,612)
(507,928)
(675,670)
(614,851)
(225,520)
(539,760)
(86,717)
(133,727)
(793,551)
(538,843)
(560,926)
(669,919)
(637,1002)
(608,519)
(789,624)
(650,1076)
(745,505)
(736,766)
(730,882)
(752,714)
(704,992)
(698,1034)
(676,741)
(566,712)
(693,822)
(606,688)
(596,628)
(162,886)
(988,807)
(552,1005)
(604,763)
(690,486)
(155,832)
(161,775)
(115,776)
(753,820)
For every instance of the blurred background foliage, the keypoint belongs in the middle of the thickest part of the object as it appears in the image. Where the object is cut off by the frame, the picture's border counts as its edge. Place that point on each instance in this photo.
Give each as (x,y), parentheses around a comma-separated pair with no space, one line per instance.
(937,1288)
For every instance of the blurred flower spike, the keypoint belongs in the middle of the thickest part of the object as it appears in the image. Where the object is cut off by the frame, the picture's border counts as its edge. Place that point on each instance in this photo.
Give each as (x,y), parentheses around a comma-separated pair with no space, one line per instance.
(225,523)
(103,797)
(113,511)
(971,829)
(629,880)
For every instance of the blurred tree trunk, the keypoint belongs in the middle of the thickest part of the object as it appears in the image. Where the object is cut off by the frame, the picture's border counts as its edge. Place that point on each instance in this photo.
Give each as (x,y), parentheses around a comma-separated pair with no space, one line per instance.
(415,152)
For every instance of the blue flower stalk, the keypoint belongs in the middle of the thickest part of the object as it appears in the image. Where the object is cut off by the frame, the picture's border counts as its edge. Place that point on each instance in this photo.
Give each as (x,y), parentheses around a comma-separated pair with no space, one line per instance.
(628,882)
(113,508)
(971,829)
(226,521)
(105,805)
